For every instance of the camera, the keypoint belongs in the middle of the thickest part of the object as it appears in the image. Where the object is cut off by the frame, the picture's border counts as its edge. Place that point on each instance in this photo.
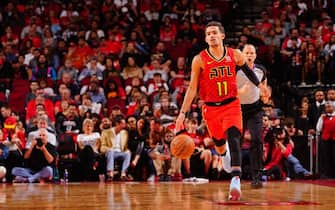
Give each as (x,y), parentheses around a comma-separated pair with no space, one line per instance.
(39,142)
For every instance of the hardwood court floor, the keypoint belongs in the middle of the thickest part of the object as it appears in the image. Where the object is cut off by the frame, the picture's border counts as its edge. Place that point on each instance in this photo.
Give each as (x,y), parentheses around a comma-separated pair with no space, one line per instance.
(160,196)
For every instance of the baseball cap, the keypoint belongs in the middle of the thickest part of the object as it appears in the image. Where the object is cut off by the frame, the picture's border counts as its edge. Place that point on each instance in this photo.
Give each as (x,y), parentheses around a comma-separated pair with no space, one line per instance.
(10,123)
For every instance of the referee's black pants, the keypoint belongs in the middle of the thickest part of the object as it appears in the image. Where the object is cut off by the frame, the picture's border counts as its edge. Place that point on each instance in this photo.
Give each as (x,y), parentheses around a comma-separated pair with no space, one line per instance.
(253,122)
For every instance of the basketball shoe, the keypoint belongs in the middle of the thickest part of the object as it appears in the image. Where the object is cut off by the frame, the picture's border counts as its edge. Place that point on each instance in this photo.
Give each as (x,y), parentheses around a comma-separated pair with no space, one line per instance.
(235,189)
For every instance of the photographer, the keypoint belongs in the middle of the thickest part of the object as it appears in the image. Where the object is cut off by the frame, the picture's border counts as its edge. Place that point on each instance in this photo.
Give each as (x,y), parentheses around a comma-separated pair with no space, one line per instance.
(39,160)
(277,147)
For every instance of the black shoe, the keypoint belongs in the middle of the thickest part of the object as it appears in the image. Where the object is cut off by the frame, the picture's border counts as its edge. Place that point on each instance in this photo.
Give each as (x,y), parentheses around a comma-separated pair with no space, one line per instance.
(168,178)
(215,174)
(161,178)
(256,184)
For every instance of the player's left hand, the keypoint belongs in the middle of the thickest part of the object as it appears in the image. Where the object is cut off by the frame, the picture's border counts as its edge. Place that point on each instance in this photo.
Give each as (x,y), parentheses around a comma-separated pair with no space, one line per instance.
(180,122)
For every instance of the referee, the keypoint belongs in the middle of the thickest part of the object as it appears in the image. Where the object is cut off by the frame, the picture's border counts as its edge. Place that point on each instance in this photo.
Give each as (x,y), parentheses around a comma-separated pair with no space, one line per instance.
(252,112)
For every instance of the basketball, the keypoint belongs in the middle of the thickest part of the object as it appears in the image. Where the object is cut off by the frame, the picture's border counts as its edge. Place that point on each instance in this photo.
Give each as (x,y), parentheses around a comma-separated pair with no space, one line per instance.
(182,146)
(2,172)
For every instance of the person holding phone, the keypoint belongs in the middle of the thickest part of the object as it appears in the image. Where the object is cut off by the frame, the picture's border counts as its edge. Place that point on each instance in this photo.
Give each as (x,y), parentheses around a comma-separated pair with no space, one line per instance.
(39,160)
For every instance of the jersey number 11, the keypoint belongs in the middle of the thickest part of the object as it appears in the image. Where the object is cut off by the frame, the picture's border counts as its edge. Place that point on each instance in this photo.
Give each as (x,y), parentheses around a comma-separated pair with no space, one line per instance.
(222,88)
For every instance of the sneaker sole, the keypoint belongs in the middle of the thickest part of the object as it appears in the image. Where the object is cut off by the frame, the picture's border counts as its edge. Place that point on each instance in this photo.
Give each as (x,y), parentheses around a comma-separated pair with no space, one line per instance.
(234,195)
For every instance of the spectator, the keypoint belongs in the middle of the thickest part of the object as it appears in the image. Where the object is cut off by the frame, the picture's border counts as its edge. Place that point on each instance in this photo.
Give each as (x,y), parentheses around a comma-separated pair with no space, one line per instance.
(161,54)
(167,32)
(46,88)
(19,68)
(134,102)
(165,110)
(31,28)
(136,83)
(40,100)
(138,133)
(316,108)
(116,110)
(113,90)
(89,143)
(155,67)
(114,145)
(156,84)
(201,155)
(92,69)
(94,90)
(112,65)
(131,70)
(10,38)
(94,28)
(64,95)
(40,161)
(166,165)
(66,82)
(14,140)
(277,147)
(88,106)
(129,50)
(68,123)
(325,128)
(302,121)
(331,96)
(178,74)
(34,86)
(68,69)
(43,70)
(69,31)
(79,54)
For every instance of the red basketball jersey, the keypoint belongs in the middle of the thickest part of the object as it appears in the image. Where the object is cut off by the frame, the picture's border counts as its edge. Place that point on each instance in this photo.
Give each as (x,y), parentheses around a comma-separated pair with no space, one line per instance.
(217,80)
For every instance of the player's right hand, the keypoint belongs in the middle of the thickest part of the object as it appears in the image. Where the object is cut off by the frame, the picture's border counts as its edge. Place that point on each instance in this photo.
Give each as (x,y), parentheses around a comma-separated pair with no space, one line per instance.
(180,122)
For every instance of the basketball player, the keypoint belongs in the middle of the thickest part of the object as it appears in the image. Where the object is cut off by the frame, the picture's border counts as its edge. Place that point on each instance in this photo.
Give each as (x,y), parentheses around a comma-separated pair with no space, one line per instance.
(252,112)
(213,70)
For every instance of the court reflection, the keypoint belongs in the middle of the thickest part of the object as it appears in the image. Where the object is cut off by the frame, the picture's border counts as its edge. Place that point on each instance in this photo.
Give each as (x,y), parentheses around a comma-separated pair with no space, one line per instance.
(161,196)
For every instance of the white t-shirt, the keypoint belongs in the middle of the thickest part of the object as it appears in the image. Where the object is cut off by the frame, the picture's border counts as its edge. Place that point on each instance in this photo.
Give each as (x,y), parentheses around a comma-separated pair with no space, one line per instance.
(117,143)
(252,94)
(89,140)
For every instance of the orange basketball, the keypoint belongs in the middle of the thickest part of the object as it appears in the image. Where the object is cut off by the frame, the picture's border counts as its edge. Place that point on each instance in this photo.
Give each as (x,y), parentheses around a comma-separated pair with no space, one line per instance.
(182,146)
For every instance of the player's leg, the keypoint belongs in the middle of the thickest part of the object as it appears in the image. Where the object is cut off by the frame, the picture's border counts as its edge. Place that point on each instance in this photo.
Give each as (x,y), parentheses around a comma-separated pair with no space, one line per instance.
(234,137)
(213,117)
(220,145)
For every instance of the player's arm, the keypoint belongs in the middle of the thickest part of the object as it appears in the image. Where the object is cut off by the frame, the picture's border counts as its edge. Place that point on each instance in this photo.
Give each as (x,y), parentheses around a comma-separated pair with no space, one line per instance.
(241,64)
(190,92)
(193,86)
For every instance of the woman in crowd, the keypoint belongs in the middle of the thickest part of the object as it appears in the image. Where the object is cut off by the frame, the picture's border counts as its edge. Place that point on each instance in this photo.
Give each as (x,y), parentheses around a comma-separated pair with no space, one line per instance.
(89,156)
